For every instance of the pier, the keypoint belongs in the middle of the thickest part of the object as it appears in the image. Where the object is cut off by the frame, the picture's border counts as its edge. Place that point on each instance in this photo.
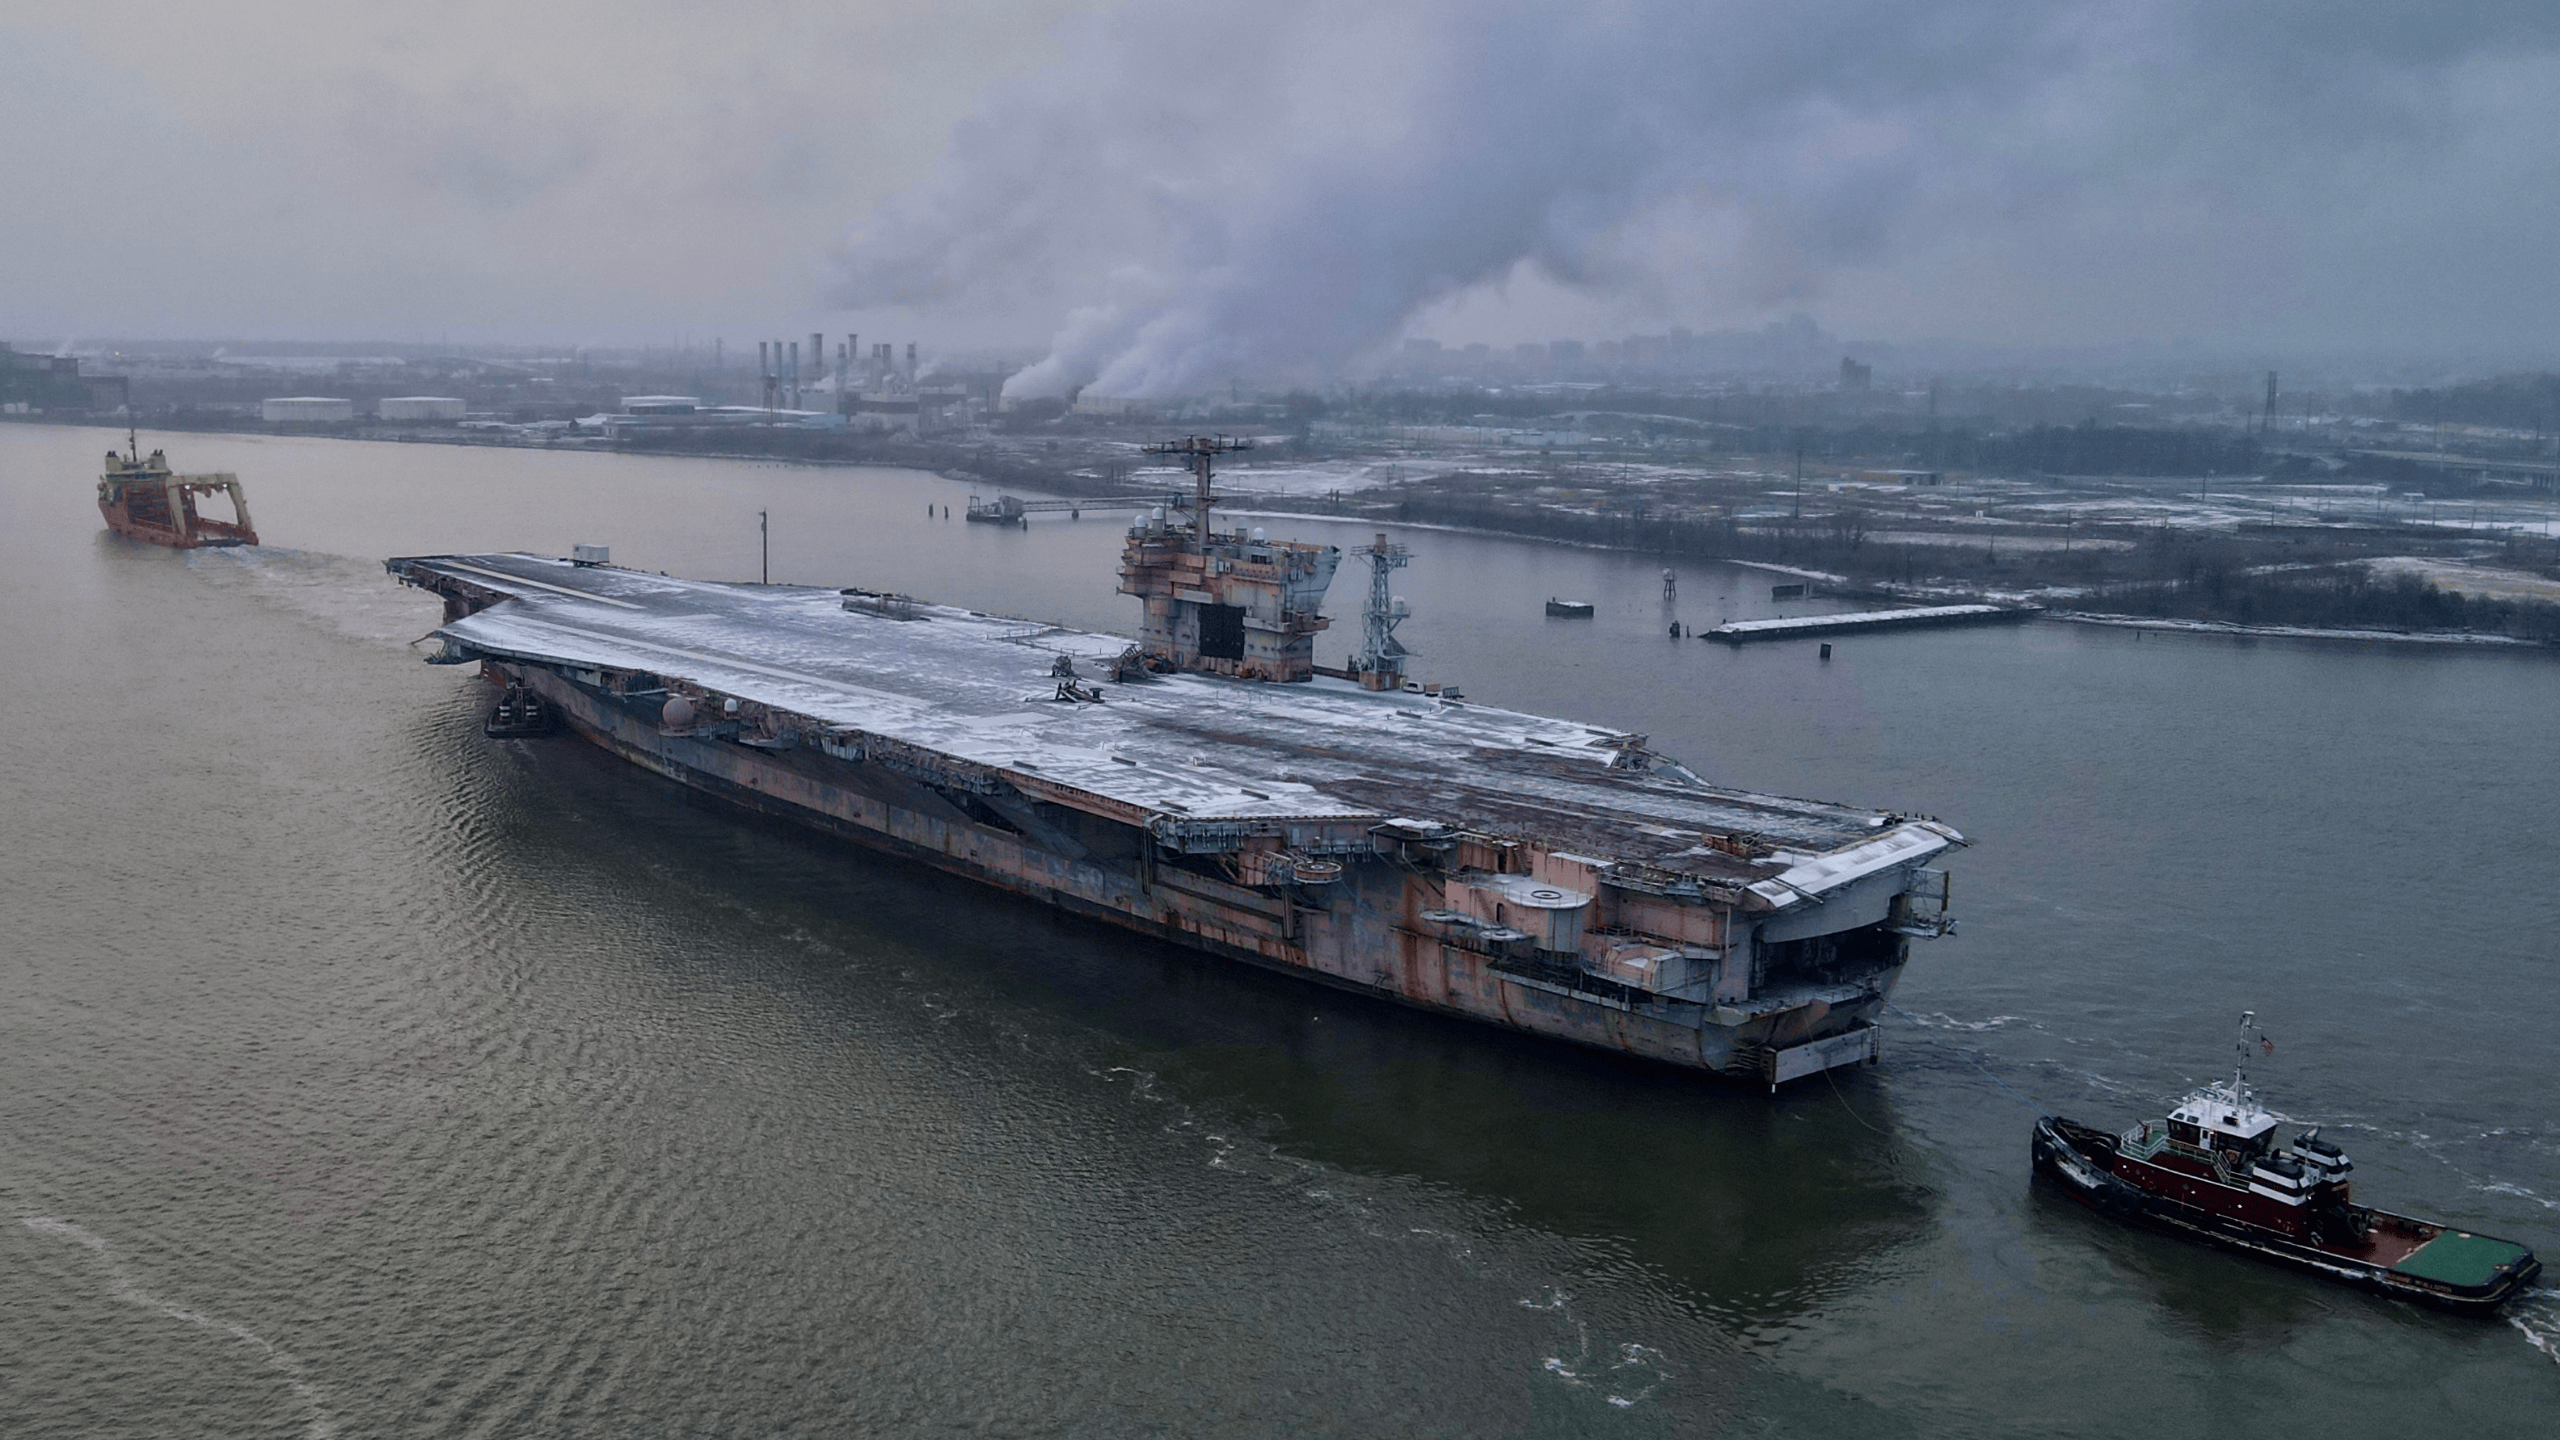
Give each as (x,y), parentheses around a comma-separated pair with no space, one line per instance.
(1736,632)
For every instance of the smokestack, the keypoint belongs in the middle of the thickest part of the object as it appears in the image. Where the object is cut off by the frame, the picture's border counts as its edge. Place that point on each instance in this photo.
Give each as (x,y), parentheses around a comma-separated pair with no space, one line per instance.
(911,359)
(817,355)
(852,351)
(764,376)
(795,374)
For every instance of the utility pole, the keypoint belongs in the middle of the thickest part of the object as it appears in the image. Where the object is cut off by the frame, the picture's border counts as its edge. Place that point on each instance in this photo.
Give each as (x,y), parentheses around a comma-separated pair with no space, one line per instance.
(764,536)
(1799,475)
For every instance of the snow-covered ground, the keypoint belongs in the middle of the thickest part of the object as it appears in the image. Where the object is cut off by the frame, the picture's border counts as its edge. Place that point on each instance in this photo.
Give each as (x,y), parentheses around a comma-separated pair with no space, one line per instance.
(2484,581)
(2005,542)
(1243,475)
(2303,632)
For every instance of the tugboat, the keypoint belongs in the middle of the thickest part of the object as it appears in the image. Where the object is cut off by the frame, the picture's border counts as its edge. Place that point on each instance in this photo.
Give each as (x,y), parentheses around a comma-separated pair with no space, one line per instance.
(2213,1171)
(143,500)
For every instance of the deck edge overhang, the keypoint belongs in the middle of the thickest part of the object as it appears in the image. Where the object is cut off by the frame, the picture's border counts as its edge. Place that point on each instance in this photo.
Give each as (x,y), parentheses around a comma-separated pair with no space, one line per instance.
(1813,877)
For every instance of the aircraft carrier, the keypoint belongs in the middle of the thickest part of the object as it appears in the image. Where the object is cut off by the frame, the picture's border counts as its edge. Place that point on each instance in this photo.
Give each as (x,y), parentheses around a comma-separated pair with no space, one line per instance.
(1211,786)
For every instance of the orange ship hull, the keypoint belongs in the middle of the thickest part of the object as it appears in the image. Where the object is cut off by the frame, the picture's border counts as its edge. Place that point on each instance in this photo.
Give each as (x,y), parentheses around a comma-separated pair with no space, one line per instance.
(144,500)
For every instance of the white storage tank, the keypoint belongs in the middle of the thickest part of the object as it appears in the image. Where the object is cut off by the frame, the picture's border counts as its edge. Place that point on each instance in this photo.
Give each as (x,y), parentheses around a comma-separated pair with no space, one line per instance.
(306,410)
(418,407)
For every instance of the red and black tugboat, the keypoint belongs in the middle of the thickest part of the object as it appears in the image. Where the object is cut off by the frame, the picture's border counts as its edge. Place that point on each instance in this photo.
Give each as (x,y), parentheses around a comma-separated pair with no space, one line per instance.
(143,499)
(2214,1171)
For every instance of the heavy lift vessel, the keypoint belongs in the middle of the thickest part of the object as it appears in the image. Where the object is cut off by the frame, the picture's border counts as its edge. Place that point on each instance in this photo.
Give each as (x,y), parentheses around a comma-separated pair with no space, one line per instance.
(1212,787)
(142,498)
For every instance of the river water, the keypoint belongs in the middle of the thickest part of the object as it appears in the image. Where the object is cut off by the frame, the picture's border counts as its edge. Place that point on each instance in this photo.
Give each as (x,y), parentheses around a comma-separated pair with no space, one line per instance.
(362,1076)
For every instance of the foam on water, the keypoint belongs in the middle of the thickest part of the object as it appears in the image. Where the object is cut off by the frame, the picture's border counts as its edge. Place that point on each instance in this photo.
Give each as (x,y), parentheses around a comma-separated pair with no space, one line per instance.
(321,1424)
(344,592)
(2501,1187)
(1940,1020)
(1627,1373)
(2536,1315)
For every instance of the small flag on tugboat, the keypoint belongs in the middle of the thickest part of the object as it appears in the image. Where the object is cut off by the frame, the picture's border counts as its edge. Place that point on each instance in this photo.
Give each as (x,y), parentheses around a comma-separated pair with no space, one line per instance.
(2266,1045)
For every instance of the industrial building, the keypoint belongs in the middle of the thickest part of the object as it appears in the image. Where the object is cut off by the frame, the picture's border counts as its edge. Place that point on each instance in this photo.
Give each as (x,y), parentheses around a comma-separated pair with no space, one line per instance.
(417,407)
(306,410)
(684,414)
(41,384)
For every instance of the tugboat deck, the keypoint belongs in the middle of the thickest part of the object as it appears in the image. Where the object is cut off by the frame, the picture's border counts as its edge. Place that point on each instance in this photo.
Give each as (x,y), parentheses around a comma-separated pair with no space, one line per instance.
(2457,1258)
(1192,749)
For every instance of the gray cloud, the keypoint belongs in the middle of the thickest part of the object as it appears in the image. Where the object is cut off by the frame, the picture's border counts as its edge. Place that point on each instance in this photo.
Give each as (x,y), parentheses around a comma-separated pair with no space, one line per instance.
(1170,193)
(1206,190)
(570,170)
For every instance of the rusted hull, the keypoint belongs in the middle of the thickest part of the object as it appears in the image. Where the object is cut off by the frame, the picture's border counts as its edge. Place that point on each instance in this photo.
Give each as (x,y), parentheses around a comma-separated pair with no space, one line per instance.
(1549,876)
(1362,936)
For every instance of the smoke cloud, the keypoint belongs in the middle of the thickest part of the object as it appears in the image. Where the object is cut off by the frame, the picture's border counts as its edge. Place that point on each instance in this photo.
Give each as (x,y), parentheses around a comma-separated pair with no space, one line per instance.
(1199,191)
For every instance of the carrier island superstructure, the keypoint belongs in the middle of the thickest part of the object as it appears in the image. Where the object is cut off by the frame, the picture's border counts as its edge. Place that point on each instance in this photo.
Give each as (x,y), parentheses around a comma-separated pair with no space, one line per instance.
(1211,787)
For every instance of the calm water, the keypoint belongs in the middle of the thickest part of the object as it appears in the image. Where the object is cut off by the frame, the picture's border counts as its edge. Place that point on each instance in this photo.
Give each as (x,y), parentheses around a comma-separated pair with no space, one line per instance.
(361,1076)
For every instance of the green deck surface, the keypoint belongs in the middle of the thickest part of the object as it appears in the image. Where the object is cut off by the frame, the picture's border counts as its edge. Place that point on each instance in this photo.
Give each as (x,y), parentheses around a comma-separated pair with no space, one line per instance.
(2458,1259)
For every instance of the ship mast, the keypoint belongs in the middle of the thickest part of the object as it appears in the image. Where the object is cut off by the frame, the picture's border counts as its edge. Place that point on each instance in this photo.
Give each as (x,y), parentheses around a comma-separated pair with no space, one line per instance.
(1381,658)
(1198,452)
(2240,1064)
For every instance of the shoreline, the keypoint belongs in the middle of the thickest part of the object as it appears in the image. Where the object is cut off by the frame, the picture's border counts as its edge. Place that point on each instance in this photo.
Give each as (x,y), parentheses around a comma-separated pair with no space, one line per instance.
(1558,542)
(1262,507)
(2235,629)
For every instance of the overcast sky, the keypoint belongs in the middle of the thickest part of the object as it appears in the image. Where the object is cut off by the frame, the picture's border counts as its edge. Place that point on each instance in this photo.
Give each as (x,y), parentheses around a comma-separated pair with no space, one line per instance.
(1159,193)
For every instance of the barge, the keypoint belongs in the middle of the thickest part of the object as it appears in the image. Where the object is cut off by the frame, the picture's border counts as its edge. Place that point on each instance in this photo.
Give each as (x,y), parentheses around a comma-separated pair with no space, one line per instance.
(1209,786)
(1739,632)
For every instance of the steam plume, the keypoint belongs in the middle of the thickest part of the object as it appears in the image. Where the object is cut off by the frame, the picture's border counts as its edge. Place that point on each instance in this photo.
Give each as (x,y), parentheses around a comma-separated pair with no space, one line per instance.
(1217,189)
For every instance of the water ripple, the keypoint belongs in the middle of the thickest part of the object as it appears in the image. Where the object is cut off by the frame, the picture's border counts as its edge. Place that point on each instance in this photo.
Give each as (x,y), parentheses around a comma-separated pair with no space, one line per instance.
(322,1424)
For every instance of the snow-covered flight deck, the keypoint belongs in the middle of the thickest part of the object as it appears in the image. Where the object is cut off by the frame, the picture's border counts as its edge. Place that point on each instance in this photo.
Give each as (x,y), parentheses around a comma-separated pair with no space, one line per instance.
(982,689)
(1546,875)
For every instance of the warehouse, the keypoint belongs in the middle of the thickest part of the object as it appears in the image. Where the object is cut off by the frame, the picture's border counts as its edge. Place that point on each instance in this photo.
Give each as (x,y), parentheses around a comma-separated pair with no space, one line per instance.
(305,410)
